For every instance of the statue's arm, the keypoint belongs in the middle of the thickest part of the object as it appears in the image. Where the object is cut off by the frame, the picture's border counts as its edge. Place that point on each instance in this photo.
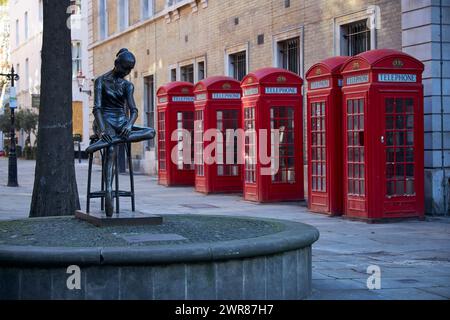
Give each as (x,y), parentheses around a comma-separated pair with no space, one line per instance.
(131,104)
(129,92)
(98,109)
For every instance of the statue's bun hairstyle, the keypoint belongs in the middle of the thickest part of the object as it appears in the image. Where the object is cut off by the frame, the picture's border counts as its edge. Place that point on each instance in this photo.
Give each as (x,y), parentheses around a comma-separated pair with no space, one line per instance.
(126,55)
(121,51)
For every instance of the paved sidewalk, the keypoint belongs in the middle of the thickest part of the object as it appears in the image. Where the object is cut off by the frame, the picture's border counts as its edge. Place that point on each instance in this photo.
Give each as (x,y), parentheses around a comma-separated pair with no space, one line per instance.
(414,256)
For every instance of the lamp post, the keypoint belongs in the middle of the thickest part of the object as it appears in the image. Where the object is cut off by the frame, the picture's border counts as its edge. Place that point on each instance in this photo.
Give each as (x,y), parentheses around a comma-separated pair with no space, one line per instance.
(12,160)
(81,79)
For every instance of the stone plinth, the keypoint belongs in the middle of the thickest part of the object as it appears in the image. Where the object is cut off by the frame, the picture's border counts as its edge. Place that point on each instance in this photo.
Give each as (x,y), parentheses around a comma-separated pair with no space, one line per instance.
(125,218)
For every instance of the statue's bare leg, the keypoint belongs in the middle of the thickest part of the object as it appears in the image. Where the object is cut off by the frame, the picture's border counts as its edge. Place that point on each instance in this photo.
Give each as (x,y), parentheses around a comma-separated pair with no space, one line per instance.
(137,134)
(141,134)
(109,174)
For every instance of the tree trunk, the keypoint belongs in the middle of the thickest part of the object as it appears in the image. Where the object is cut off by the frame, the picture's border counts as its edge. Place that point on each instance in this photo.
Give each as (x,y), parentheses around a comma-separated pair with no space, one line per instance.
(55,188)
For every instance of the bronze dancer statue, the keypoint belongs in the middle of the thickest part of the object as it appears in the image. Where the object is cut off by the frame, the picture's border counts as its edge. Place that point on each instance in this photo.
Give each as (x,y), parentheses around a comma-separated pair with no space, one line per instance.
(112,94)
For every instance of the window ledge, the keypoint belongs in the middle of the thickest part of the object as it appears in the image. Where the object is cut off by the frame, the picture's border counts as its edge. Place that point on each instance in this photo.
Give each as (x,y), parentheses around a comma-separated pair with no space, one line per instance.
(174,9)
(180,4)
(194,6)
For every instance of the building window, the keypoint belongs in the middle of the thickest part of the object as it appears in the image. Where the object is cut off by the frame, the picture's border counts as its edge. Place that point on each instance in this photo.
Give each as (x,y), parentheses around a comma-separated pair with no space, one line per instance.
(123,14)
(41,11)
(146,9)
(149,107)
(76,58)
(6,28)
(173,74)
(103,18)
(170,3)
(355,38)
(76,3)
(17,33)
(289,54)
(237,65)
(187,73)
(27,74)
(25,25)
(201,70)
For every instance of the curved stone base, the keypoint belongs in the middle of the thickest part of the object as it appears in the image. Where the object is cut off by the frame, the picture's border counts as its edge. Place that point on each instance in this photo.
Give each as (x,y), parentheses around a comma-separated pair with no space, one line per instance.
(275,267)
(275,277)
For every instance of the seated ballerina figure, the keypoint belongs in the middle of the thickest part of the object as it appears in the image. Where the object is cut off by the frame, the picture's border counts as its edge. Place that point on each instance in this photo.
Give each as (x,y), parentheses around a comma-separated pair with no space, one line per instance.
(112,93)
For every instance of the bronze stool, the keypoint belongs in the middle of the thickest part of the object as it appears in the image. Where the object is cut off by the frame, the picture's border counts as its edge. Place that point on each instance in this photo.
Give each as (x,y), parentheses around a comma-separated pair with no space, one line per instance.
(117,192)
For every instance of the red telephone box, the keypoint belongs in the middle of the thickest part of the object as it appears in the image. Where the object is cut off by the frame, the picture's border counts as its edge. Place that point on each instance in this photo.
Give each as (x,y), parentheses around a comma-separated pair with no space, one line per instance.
(218,106)
(324,112)
(175,117)
(383,130)
(272,105)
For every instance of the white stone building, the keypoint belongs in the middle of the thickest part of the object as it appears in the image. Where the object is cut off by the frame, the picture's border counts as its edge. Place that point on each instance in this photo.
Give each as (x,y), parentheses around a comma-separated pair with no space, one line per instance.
(26,18)
(426,36)
(4,59)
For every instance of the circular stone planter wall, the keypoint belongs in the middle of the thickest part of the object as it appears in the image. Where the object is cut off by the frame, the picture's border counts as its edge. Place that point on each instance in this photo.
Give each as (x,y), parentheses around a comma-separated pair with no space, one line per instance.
(272,266)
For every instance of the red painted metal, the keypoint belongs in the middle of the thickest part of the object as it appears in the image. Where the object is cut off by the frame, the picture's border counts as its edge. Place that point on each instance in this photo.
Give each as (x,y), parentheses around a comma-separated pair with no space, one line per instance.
(217,106)
(383,130)
(175,111)
(324,110)
(272,98)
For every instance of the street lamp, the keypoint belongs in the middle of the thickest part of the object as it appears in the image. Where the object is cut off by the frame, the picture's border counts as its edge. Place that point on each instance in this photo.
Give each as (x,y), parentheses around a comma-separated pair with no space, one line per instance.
(81,79)
(12,160)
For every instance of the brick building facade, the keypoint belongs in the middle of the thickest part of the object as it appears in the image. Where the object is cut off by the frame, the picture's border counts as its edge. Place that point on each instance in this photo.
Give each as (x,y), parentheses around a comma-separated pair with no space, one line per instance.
(192,39)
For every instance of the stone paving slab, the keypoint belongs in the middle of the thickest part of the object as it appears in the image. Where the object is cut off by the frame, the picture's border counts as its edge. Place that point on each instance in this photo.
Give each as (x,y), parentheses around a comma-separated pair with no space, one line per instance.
(410,282)
(348,294)
(341,273)
(441,291)
(409,294)
(316,275)
(337,284)
(408,250)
